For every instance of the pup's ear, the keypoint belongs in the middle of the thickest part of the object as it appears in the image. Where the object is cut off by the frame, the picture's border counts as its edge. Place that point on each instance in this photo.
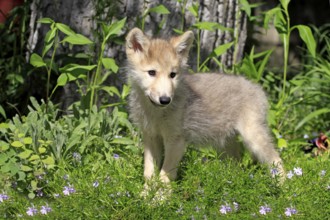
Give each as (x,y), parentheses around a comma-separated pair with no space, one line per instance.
(182,44)
(136,41)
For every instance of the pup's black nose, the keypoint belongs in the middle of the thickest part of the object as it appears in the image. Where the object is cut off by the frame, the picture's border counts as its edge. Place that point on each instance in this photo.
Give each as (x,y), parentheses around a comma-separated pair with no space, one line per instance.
(164,100)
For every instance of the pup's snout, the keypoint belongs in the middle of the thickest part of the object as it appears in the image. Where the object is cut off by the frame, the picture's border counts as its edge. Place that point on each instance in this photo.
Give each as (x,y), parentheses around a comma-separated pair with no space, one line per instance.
(164,100)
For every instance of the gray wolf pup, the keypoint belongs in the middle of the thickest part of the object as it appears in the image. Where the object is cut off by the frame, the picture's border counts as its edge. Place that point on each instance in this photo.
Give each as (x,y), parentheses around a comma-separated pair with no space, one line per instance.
(173,108)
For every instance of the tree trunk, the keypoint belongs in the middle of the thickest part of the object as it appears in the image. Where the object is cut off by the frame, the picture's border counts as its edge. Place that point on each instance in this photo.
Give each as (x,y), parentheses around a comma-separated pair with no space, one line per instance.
(81,16)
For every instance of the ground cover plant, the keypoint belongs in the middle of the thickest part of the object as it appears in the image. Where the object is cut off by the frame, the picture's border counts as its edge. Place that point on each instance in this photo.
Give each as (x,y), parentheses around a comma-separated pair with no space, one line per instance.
(88,164)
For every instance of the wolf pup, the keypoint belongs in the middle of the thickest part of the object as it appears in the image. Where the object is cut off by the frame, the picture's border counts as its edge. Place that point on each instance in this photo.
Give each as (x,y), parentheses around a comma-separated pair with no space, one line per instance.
(173,108)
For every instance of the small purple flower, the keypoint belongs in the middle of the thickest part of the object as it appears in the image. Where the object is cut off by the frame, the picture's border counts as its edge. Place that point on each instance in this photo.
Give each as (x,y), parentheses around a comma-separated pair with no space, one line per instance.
(274,171)
(39,193)
(31,211)
(290,211)
(56,195)
(116,156)
(45,209)
(66,177)
(290,174)
(68,190)
(225,209)
(3,197)
(264,209)
(76,156)
(298,171)
(96,184)
(306,136)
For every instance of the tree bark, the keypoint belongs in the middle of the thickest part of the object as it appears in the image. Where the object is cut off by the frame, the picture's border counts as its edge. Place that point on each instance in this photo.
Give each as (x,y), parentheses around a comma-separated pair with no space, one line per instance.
(83,17)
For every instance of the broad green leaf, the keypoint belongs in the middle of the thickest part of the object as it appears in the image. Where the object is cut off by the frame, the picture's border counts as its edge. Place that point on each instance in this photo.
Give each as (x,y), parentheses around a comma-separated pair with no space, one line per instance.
(26,168)
(25,154)
(45,21)
(77,39)
(27,140)
(281,143)
(311,116)
(63,79)
(34,157)
(72,67)
(65,29)
(21,175)
(307,36)
(3,158)
(36,60)
(222,49)
(245,6)
(110,64)
(41,150)
(111,90)
(34,185)
(50,35)
(49,160)
(285,4)
(115,28)
(17,144)
(160,9)
(31,195)
(269,15)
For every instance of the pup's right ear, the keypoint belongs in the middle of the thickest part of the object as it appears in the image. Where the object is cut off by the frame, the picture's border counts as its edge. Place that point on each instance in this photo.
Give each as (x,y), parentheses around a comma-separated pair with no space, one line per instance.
(136,41)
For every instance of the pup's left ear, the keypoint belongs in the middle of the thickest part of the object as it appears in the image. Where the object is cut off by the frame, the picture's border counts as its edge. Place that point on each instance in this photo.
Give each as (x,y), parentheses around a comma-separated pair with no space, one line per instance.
(182,44)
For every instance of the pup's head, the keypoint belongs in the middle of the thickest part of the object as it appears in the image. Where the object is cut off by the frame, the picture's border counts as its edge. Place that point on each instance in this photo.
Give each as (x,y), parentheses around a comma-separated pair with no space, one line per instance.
(156,64)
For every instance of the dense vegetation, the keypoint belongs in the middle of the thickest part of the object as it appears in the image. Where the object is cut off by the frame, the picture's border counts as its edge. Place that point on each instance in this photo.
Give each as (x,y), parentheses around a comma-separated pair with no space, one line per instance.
(87,163)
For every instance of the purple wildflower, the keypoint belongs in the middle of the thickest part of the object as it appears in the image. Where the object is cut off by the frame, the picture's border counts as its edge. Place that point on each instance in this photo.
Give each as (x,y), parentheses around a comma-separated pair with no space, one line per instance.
(68,190)
(225,209)
(31,211)
(274,171)
(96,184)
(298,171)
(290,211)
(45,209)
(3,197)
(290,174)
(66,177)
(264,209)
(76,156)
(116,156)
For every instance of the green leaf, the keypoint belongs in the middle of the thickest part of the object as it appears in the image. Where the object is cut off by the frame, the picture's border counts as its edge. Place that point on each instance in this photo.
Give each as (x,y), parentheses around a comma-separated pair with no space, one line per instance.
(34,185)
(211,26)
(269,15)
(25,154)
(3,158)
(245,6)
(63,79)
(27,140)
(45,21)
(281,143)
(110,63)
(17,144)
(21,175)
(49,42)
(222,49)
(3,112)
(114,28)
(34,157)
(160,9)
(307,36)
(124,141)
(194,10)
(65,29)
(311,116)
(285,4)
(49,160)
(26,168)
(77,39)
(31,195)
(111,90)
(36,60)
(41,150)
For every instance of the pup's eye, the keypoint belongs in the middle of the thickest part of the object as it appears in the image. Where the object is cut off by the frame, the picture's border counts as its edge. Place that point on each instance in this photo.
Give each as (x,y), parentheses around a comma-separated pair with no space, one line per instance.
(152,73)
(172,75)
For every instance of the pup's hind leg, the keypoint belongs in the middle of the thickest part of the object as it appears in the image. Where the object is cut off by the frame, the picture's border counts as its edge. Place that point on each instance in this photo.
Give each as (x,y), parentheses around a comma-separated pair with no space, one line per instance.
(258,141)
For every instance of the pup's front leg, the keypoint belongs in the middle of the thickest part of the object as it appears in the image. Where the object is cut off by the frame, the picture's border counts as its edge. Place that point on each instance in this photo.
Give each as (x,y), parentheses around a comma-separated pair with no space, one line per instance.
(152,154)
(174,147)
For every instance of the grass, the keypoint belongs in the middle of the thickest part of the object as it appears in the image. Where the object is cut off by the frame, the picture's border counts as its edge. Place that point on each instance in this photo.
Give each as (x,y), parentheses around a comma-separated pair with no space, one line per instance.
(206,184)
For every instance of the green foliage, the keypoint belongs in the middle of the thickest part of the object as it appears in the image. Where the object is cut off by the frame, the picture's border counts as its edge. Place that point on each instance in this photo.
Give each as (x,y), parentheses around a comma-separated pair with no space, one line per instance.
(34,146)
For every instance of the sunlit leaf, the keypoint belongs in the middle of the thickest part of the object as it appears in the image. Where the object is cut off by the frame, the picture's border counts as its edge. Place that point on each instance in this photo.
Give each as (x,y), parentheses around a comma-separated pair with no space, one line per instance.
(36,60)
(306,35)
(110,64)
(77,39)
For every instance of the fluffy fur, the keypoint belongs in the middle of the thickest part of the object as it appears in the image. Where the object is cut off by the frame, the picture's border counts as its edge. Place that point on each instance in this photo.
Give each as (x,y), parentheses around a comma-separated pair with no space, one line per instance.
(173,108)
